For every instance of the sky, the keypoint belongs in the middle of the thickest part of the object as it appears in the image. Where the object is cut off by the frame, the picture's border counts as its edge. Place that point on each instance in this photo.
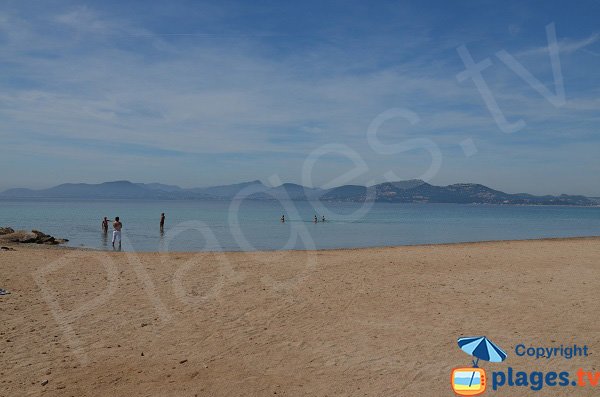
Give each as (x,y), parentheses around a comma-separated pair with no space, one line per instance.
(321,93)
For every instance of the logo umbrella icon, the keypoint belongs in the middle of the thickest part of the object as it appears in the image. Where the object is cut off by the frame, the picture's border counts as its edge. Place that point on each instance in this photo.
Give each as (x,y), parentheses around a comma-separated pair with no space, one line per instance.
(481,348)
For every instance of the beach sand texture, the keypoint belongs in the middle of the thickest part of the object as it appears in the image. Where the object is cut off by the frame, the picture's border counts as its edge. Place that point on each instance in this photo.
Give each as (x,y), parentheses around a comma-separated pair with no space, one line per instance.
(372,322)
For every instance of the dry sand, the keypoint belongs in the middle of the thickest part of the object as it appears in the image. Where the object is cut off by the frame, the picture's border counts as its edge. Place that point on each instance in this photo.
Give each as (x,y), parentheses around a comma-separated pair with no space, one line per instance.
(375,322)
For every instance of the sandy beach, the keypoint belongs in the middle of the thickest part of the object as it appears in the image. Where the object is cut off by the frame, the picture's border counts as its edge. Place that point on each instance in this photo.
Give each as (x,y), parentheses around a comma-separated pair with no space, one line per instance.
(372,322)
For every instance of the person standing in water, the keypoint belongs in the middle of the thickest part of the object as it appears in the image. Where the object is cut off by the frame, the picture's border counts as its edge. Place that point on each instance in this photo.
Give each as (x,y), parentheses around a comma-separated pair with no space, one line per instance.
(282,218)
(162,221)
(117,225)
(105,225)
(316,219)
(323,219)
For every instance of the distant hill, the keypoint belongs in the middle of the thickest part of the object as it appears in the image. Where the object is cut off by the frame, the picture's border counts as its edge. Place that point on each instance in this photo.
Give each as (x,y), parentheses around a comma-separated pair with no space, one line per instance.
(106,190)
(230,191)
(117,189)
(288,191)
(417,191)
(595,200)
(411,191)
(160,186)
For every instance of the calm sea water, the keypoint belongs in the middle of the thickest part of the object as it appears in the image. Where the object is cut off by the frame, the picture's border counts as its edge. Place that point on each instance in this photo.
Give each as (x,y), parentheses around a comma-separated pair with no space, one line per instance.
(255,225)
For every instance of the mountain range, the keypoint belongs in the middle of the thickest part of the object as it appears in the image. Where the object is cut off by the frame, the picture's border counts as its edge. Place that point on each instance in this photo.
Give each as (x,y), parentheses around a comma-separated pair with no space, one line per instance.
(411,191)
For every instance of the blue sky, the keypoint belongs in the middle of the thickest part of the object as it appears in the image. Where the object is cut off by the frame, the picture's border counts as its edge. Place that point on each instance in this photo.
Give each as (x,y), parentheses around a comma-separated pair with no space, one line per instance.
(202,93)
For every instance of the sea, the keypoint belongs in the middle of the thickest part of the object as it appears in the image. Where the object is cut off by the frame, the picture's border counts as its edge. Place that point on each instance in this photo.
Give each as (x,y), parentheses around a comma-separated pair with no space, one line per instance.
(251,225)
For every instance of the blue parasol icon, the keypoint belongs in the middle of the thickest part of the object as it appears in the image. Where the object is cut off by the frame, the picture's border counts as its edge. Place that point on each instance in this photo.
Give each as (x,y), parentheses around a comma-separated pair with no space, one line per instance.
(481,348)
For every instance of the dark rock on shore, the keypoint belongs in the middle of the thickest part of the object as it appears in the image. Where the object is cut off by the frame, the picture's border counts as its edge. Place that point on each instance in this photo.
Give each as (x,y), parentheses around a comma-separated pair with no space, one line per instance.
(6,230)
(8,234)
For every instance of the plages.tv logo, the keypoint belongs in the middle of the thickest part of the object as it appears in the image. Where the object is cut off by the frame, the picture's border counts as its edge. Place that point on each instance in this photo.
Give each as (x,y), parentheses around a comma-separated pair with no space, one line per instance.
(472,381)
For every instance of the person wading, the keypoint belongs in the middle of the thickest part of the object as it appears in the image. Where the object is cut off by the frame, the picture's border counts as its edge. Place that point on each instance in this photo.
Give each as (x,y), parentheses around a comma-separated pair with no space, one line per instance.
(117,225)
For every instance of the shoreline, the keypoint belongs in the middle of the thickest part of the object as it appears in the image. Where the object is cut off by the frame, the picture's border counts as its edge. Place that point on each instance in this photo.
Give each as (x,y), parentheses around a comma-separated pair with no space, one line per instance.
(379,247)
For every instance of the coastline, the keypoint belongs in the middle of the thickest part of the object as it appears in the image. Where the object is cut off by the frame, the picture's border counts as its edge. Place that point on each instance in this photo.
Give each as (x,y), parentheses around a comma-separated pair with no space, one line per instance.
(222,200)
(592,237)
(375,321)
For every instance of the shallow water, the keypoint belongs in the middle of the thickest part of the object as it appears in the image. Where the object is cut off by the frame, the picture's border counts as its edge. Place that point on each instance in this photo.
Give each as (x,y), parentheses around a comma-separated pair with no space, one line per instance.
(255,225)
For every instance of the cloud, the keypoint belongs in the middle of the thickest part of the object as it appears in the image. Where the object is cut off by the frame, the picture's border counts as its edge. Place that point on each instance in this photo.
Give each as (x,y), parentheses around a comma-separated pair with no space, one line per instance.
(84,19)
(568,46)
(565,45)
(85,83)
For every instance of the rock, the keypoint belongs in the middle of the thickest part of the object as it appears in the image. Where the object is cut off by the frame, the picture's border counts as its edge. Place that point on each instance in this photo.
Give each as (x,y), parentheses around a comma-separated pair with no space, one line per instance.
(47,240)
(20,236)
(33,237)
(42,238)
(24,237)
(6,230)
